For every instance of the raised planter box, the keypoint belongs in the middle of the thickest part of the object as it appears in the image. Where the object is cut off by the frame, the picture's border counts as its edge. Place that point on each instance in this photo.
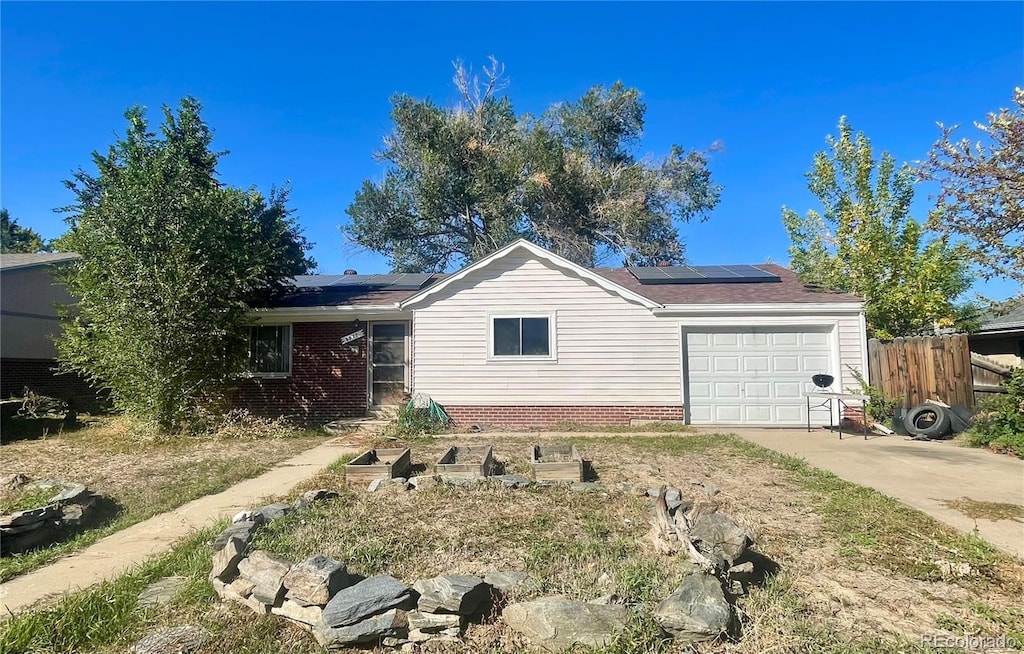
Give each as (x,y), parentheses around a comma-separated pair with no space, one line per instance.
(378,464)
(556,463)
(469,462)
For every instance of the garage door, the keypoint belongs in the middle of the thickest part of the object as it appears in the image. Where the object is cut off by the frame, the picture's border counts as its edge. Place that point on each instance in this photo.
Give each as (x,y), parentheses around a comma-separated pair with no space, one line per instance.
(753,376)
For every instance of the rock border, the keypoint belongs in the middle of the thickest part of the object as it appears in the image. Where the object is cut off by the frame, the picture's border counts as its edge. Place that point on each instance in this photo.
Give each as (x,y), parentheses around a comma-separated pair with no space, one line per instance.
(341,608)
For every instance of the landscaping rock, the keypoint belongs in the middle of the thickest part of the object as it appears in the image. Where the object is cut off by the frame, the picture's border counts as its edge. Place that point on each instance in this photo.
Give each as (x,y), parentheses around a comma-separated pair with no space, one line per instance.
(176,640)
(507,581)
(422,482)
(556,623)
(390,623)
(243,530)
(29,516)
(719,537)
(432,623)
(242,588)
(243,516)
(310,615)
(315,580)
(266,571)
(368,597)
(319,495)
(457,481)
(274,511)
(226,559)
(697,611)
(375,485)
(462,594)
(161,592)
(71,494)
(511,481)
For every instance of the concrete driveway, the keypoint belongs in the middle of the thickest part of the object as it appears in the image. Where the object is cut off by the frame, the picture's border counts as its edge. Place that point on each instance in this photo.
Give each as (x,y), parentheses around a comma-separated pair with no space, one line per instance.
(921,474)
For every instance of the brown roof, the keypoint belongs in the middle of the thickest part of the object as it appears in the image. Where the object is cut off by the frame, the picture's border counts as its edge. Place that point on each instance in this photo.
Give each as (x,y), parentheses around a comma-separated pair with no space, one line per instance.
(790,289)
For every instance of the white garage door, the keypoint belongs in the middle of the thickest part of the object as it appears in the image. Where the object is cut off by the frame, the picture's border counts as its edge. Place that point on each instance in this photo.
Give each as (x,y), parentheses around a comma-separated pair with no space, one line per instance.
(754,376)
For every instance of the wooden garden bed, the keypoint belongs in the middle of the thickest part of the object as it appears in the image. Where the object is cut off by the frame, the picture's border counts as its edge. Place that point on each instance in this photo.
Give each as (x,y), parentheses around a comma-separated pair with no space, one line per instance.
(556,463)
(462,461)
(378,464)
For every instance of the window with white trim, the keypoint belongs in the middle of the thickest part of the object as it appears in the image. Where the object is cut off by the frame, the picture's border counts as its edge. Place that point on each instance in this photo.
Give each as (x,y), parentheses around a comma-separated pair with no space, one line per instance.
(521,337)
(270,349)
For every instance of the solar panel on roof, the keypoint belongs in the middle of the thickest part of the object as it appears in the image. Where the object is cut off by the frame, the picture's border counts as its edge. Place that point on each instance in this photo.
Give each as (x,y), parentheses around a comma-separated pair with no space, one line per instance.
(701,274)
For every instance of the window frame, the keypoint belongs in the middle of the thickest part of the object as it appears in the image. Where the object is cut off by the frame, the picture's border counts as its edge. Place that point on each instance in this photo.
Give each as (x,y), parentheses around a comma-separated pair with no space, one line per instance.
(287,345)
(551,356)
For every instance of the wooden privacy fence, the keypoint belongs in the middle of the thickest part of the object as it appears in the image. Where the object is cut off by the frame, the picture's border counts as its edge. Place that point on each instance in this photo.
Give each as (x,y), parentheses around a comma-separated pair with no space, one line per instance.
(912,370)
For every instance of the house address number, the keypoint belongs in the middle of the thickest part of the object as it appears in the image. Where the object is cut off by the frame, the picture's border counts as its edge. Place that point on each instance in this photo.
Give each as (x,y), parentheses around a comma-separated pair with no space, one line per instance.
(354,336)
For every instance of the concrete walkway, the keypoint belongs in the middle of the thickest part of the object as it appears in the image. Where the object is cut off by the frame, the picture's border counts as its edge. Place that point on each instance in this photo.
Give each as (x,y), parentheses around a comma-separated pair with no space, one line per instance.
(117,553)
(921,474)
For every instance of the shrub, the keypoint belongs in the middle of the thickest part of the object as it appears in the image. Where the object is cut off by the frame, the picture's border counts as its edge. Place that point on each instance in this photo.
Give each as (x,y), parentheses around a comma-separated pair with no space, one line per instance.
(880,407)
(999,420)
(412,421)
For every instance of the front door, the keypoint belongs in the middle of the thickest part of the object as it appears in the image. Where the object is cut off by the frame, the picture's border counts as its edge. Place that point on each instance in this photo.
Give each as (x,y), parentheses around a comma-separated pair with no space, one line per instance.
(389,362)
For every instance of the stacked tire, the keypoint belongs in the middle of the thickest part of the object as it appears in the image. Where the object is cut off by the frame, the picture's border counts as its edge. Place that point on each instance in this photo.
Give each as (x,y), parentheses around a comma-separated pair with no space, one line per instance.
(929,421)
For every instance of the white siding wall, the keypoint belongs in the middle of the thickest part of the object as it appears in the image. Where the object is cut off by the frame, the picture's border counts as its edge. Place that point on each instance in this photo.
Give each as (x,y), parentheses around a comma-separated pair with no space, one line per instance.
(609,350)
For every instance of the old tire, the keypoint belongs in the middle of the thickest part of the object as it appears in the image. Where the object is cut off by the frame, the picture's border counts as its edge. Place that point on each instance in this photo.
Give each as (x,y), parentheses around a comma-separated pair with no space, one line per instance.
(928,421)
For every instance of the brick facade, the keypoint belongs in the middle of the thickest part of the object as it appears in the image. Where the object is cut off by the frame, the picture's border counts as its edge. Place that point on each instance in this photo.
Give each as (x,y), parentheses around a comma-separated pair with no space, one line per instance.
(546,416)
(328,380)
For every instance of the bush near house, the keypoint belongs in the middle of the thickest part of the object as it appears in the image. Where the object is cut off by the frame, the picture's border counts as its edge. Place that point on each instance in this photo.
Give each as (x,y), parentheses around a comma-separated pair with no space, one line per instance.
(999,422)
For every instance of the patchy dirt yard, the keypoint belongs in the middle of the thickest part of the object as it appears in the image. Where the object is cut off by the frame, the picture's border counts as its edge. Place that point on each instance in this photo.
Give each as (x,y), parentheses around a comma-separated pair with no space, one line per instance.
(858,572)
(140,476)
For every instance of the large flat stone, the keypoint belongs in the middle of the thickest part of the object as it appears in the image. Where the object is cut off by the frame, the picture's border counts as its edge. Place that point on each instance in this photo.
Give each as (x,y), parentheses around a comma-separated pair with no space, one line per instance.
(176,640)
(697,611)
(367,598)
(462,594)
(376,627)
(315,580)
(507,581)
(310,615)
(556,623)
(432,623)
(226,559)
(719,537)
(242,530)
(266,571)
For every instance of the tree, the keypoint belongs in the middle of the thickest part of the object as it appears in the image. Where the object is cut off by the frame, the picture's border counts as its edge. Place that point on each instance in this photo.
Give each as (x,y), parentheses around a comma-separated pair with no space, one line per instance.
(171,264)
(982,196)
(865,241)
(15,238)
(466,180)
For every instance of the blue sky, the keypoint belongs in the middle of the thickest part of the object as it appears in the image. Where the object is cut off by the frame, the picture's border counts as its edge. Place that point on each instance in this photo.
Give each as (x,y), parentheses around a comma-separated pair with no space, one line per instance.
(300,92)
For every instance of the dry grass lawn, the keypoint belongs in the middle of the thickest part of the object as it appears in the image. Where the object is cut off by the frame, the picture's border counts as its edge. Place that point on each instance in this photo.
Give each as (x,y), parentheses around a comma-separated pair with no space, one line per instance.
(141,475)
(858,572)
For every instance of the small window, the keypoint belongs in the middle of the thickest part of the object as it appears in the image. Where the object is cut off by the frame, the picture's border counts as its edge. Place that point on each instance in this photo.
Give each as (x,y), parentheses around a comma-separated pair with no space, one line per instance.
(528,337)
(270,349)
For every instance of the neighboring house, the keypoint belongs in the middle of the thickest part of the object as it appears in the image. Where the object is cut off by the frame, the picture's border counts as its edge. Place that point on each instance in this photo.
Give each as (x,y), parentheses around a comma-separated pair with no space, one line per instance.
(1001,338)
(524,337)
(29,295)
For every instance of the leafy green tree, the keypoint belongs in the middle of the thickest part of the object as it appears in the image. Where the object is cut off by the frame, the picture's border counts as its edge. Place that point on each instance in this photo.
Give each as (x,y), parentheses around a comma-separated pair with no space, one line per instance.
(982,197)
(864,241)
(171,262)
(15,238)
(463,181)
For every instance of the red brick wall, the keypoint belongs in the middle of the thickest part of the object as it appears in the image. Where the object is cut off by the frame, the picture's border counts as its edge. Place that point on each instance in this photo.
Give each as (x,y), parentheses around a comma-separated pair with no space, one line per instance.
(328,380)
(546,416)
(39,377)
